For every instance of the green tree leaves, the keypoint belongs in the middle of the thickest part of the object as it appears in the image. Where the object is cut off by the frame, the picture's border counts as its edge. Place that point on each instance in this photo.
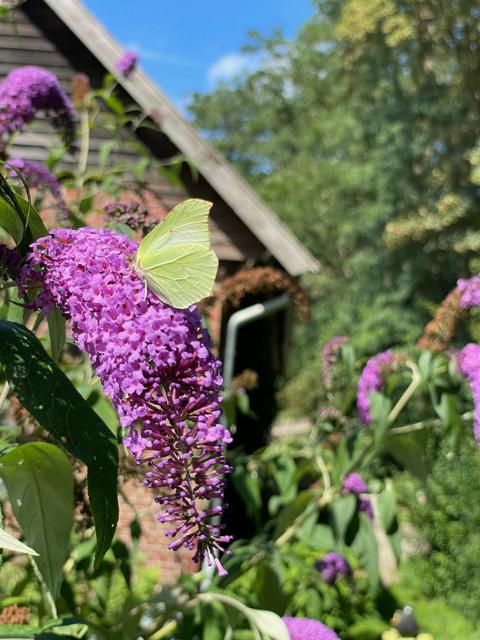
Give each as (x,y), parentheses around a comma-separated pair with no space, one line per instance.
(39,481)
(55,403)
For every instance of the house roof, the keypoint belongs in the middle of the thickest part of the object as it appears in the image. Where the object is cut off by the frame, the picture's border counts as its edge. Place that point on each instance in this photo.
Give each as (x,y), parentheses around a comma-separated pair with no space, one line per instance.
(230,186)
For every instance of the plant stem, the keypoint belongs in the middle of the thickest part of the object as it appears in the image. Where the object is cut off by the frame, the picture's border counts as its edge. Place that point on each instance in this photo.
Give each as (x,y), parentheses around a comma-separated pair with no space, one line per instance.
(45,590)
(407,394)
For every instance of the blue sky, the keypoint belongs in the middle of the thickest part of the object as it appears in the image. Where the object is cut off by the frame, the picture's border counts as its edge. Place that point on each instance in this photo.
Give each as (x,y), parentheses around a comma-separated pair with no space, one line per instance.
(189,45)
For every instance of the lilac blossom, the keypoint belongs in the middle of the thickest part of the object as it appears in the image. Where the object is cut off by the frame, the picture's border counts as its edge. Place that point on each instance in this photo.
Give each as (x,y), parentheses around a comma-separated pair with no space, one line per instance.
(469,364)
(332,566)
(330,352)
(371,380)
(307,629)
(470,292)
(38,177)
(127,64)
(155,365)
(26,90)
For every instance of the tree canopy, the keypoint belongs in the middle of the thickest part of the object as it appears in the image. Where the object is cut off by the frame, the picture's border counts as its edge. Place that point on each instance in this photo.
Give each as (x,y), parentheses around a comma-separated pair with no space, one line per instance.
(363,134)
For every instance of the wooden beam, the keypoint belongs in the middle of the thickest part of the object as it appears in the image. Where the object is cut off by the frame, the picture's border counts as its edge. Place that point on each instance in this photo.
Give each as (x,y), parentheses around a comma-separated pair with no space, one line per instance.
(230,186)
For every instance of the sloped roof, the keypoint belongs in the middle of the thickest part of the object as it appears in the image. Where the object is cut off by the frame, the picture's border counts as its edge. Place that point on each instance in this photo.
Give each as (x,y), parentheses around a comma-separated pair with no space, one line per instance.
(219,173)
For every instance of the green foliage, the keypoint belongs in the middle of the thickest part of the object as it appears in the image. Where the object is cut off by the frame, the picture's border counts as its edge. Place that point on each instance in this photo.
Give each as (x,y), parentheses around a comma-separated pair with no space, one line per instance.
(446,515)
(52,400)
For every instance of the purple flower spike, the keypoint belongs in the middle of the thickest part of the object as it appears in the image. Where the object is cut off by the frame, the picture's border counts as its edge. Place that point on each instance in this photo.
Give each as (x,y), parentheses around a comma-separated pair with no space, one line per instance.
(307,629)
(354,483)
(127,64)
(38,177)
(365,505)
(371,380)
(469,364)
(470,292)
(155,365)
(330,352)
(333,566)
(26,90)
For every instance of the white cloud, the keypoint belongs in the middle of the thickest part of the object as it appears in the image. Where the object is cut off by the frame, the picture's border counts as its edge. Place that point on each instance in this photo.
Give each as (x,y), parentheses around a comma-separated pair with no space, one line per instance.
(156,55)
(230,66)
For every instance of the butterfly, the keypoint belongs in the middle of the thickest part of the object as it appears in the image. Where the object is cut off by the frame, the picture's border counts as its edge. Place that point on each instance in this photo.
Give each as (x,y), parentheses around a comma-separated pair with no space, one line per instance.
(175,259)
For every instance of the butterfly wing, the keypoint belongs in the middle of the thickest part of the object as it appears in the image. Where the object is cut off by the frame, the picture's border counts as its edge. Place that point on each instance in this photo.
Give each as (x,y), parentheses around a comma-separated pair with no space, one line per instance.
(180,275)
(187,223)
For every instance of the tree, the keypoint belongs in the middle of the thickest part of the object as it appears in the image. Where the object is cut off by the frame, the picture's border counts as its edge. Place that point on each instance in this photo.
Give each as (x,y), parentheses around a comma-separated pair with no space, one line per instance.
(362,134)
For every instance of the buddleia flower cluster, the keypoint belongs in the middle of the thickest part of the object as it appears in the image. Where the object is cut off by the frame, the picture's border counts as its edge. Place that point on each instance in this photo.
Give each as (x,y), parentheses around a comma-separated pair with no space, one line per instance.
(127,64)
(27,90)
(307,629)
(469,292)
(371,379)
(355,485)
(333,566)
(132,214)
(330,352)
(469,364)
(155,364)
(10,263)
(38,177)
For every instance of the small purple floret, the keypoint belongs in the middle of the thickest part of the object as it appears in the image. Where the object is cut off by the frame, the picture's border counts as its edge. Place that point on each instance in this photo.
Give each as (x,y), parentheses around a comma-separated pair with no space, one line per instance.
(27,90)
(127,64)
(365,506)
(332,566)
(155,365)
(371,380)
(469,364)
(307,629)
(354,483)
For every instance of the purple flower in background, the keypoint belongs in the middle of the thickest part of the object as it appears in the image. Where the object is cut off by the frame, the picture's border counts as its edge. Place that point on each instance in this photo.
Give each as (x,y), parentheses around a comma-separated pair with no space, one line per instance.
(132,214)
(307,629)
(26,90)
(10,263)
(371,380)
(156,366)
(365,505)
(330,352)
(469,364)
(38,177)
(470,292)
(354,483)
(127,64)
(332,566)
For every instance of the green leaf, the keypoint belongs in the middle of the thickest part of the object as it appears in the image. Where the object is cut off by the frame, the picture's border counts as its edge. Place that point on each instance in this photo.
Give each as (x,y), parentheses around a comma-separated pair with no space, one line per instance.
(269,624)
(387,505)
(409,449)
(365,547)
(104,153)
(10,221)
(380,407)
(249,491)
(268,587)
(54,402)
(56,329)
(321,537)
(342,511)
(287,516)
(12,544)
(39,481)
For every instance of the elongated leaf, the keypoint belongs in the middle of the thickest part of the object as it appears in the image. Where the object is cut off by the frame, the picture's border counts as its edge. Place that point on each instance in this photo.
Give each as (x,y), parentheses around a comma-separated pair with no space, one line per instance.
(55,403)
(12,544)
(10,221)
(269,624)
(56,329)
(39,482)
(342,511)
